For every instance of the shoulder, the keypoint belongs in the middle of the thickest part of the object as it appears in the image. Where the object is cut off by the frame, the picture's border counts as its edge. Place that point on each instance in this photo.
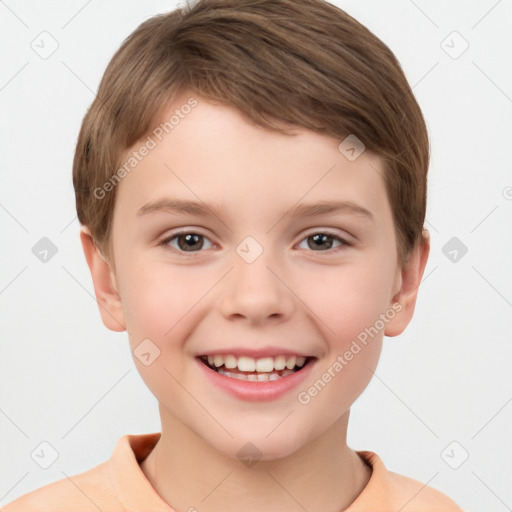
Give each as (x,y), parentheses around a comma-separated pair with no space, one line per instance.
(421,497)
(90,490)
(392,492)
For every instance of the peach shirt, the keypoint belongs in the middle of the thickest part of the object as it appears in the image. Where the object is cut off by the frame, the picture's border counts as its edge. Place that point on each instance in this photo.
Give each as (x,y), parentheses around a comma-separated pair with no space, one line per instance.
(118,484)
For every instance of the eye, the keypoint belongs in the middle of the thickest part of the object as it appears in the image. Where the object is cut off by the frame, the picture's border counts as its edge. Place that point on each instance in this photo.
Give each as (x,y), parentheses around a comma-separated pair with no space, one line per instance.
(322,242)
(188,242)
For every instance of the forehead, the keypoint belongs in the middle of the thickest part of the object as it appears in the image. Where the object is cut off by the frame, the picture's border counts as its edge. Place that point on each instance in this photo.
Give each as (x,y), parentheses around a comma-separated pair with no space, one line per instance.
(205,151)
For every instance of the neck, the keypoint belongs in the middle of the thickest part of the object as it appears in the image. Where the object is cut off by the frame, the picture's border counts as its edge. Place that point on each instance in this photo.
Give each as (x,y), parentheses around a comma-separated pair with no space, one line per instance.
(190,475)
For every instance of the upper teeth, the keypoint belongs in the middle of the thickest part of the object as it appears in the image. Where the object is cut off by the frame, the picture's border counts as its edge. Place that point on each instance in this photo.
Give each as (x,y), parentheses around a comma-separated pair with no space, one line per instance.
(264,364)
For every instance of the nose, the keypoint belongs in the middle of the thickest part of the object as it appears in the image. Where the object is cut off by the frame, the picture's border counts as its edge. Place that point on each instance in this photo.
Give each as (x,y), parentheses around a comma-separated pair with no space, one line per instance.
(256,294)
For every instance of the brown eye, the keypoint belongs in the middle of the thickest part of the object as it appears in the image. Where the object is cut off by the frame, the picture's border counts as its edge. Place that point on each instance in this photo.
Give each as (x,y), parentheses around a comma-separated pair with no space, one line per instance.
(188,242)
(322,242)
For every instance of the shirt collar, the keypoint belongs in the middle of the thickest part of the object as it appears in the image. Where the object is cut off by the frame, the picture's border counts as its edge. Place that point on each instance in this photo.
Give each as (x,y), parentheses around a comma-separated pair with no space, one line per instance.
(135,491)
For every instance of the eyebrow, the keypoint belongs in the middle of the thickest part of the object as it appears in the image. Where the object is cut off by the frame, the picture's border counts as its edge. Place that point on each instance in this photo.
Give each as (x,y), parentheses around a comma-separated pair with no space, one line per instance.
(179,206)
(327,207)
(299,210)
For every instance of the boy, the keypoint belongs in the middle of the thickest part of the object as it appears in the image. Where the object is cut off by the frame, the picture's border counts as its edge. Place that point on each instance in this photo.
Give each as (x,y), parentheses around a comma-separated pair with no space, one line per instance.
(251,181)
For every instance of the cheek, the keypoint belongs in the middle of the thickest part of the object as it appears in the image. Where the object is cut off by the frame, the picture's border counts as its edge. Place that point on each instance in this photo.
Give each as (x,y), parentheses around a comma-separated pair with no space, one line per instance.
(349,300)
(156,298)
(351,303)
(156,302)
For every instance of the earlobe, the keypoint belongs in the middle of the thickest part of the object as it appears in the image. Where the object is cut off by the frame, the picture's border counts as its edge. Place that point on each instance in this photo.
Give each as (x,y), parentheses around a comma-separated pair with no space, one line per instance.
(409,282)
(107,295)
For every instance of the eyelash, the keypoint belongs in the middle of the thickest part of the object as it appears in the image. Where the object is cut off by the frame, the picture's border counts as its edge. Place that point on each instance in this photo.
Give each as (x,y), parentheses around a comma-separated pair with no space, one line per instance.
(343,242)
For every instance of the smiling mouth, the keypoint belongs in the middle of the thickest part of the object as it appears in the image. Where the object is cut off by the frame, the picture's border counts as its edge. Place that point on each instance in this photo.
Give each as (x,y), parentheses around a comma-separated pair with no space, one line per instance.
(255,370)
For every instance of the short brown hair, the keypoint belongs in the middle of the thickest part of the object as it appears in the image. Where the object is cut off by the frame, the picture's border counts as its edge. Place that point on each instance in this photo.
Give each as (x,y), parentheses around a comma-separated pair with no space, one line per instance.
(279,62)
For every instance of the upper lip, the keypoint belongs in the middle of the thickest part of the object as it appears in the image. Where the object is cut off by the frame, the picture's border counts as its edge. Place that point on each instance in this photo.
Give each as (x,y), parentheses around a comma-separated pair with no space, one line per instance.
(253,352)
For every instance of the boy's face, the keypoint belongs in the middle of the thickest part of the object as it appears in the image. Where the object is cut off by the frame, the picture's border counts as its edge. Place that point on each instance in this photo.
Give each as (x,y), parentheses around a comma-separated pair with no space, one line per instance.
(255,279)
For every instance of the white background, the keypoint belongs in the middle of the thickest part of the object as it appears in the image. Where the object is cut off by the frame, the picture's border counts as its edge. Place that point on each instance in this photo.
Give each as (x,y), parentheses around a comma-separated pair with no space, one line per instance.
(67,380)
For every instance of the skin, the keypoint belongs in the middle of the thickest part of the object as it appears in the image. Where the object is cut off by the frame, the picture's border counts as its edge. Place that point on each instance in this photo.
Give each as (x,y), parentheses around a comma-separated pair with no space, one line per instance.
(295,295)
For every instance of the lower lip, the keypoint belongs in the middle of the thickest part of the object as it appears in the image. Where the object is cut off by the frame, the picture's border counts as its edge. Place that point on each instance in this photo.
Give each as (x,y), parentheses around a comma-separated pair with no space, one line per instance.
(255,390)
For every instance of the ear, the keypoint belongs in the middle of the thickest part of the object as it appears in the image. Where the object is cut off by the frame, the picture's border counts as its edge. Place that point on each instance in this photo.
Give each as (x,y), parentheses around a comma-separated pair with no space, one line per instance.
(105,287)
(409,279)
